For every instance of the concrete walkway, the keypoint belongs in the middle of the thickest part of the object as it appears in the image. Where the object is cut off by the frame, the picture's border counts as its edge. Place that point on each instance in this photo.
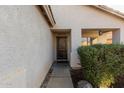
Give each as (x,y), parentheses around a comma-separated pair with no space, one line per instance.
(60,77)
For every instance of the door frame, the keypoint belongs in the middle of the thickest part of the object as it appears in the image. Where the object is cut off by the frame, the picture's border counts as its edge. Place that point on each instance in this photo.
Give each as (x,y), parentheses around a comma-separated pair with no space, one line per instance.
(68,44)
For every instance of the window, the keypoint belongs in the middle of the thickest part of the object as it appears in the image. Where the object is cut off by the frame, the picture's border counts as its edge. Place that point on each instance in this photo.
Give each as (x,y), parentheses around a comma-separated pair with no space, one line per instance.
(91,37)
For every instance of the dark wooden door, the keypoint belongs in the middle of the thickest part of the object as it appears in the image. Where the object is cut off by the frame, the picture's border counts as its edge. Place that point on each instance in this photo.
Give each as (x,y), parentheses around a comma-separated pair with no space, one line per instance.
(61,48)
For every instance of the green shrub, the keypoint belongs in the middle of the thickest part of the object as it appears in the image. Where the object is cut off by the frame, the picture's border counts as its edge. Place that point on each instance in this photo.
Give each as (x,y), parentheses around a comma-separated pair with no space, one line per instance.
(101,64)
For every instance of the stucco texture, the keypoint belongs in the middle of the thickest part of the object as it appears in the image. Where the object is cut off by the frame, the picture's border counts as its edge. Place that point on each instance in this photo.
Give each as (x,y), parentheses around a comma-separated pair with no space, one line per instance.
(25,46)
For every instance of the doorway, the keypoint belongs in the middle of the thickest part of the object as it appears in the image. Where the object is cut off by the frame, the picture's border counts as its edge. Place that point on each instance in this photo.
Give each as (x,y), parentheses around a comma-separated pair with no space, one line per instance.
(61,48)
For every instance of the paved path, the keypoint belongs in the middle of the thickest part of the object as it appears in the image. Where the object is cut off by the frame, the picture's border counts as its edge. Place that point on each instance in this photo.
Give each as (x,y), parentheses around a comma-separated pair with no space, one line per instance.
(60,77)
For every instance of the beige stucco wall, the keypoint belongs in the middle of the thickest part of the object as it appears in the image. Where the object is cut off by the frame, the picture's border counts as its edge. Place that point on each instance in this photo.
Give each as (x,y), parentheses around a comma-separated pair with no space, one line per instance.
(81,17)
(26,52)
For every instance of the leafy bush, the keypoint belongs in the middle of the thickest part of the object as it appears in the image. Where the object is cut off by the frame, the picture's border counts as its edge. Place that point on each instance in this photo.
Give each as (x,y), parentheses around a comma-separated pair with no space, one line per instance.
(101,64)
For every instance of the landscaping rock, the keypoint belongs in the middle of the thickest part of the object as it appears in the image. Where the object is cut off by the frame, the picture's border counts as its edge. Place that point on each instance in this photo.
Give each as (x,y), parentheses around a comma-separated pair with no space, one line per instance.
(84,84)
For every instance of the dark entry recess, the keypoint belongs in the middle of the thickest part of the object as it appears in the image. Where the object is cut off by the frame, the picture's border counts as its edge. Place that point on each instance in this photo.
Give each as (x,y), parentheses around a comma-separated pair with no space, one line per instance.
(61,48)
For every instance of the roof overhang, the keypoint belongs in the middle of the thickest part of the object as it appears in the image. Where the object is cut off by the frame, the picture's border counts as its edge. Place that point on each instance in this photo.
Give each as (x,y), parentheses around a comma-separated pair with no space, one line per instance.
(109,10)
(60,30)
(103,29)
(48,14)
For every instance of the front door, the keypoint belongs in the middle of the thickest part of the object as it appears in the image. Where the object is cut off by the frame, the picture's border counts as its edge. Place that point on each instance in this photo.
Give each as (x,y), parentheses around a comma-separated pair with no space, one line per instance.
(62,48)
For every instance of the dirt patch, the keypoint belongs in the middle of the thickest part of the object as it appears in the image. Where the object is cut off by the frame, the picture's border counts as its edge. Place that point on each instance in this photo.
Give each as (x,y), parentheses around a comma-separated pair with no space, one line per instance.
(76,75)
(119,82)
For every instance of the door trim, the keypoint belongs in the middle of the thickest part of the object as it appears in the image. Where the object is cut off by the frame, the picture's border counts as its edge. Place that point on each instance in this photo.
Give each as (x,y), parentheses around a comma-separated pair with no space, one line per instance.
(62,34)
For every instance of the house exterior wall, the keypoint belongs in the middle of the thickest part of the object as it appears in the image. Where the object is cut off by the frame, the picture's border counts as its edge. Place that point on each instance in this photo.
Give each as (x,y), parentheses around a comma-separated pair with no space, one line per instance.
(26,51)
(81,17)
